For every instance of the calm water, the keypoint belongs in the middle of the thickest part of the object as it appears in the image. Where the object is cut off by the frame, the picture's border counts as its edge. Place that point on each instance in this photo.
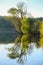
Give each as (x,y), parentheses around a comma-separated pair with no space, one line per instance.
(22,52)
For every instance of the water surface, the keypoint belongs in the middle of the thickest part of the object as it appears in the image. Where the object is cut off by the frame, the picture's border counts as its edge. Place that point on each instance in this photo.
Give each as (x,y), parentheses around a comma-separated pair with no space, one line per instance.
(24,51)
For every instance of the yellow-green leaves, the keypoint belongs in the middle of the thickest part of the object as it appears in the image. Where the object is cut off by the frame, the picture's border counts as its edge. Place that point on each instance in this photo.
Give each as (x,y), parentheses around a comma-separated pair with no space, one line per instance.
(25,25)
(41,42)
(41,28)
(25,40)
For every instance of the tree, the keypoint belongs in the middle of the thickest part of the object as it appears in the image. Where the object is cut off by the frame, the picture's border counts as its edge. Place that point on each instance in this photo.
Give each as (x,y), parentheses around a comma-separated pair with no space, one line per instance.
(18,13)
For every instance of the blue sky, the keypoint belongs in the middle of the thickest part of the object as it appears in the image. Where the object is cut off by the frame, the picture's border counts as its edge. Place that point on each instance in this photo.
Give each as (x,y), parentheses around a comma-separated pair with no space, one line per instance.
(35,7)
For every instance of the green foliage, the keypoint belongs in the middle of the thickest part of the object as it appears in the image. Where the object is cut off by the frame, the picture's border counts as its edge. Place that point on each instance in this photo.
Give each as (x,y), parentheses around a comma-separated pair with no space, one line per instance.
(25,25)
(19,12)
(41,28)
(13,11)
(41,42)
(25,40)
(36,25)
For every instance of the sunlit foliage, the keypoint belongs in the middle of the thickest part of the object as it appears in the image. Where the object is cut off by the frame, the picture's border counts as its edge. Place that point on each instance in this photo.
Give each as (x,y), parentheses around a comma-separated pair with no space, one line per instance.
(41,28)
(25,26)
(41,42)
(25,40)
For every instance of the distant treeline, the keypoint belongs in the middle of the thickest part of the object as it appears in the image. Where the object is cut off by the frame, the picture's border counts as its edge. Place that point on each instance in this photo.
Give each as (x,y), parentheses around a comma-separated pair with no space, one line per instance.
(12,26)
(27,25)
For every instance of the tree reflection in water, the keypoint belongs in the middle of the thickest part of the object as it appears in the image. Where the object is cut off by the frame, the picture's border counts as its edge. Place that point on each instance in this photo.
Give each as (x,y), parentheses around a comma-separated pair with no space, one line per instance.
(23,46)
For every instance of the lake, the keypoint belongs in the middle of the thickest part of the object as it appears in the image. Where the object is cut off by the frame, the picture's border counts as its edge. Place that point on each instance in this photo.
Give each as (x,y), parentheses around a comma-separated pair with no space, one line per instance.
(23,51)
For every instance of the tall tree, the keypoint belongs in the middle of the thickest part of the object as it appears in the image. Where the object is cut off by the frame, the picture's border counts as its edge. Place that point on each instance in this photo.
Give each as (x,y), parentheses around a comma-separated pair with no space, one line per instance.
(18,13)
